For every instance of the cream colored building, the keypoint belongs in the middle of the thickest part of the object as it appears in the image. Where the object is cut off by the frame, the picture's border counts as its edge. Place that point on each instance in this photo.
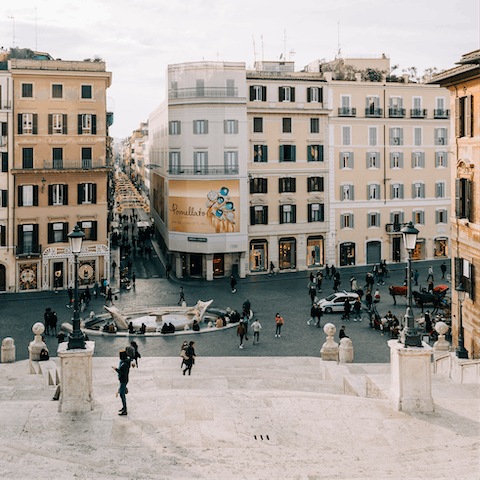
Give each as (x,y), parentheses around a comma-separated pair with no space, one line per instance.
(288,115)
(60,171)
(463,83)
(7,252)
(388,164)
(198,152)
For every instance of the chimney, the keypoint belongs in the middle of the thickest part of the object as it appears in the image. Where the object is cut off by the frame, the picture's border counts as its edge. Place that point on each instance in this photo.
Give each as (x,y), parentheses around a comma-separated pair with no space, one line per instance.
(327,76)
(358,77)
(405,77)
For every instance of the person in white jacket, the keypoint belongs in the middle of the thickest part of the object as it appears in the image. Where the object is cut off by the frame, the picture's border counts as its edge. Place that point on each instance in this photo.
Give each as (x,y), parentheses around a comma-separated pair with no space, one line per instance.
(256,327)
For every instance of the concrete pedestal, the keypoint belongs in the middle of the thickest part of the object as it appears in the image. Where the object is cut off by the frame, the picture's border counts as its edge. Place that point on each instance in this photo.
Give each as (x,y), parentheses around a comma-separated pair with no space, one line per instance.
(345,351)
(8,350)
(411,377)
(329,350)
(76,378)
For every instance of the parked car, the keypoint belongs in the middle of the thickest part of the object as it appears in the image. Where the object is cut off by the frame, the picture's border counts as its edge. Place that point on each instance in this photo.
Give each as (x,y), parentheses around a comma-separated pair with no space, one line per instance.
(336,301)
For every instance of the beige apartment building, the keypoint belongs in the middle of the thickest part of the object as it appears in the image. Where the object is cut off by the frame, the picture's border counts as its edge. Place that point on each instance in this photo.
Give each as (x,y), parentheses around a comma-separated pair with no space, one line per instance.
(388,164)
(288,170)
(59,173)
(7,252)
(463,83)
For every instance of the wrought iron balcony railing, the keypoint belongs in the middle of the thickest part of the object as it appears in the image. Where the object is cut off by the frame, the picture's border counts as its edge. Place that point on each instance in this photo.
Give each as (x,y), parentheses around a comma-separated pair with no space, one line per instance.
(418,113)
(202,92)
(347,112)
(28,251)
(441,113)
(396,112)
(79,164)
(204,170)
(373,112)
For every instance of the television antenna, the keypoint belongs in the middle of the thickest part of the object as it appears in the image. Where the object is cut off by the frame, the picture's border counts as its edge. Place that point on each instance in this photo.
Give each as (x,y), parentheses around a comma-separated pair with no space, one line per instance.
(13,18)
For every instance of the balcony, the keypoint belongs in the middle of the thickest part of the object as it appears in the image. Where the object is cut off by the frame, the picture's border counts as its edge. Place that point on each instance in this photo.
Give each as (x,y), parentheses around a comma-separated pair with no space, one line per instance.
(394,228)
(418,113)
(28,251)
(441,113)
(347,112)
(82,164)
(207,170)
(373,112)
(205,92)
(396,112)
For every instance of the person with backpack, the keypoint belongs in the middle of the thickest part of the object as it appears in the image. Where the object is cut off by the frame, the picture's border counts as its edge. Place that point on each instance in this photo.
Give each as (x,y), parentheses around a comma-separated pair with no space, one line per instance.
(123,370)
(241,332)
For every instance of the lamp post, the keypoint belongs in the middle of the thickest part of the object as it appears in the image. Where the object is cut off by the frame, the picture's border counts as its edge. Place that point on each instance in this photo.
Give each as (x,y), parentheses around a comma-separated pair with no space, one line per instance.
(411,338)
(461,352)
(76,338)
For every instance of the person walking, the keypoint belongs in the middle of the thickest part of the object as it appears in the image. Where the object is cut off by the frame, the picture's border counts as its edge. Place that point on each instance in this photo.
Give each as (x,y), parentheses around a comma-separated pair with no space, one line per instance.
(312,290)
(182,296)
(415,277)
(136,353)
(46,320)
(123,370)
(443,268)
(279,322)
(272,269)
(70,297)
(368,299)
(53,323)
(168,268)
(333,271)
(190,352)
(109,297)
(133,279)
(313,313)
(357,306)
(256,327)
(241,332)
(430,274)
(233,282)
(346,309)
(319,281)
(327,271)
(184,347)
(88,296)
(246,308)
(96,289)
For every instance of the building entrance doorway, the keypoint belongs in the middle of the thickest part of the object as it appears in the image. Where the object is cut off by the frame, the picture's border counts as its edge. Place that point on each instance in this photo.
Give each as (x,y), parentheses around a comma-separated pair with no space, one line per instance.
(374,252)
(58,275)
(219,265)
(347,254)
(396,249)
(196,265)
(3,279)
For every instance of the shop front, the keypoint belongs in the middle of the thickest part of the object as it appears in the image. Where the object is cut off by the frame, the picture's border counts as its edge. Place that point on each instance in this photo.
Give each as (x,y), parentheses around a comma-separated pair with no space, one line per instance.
(347,254)
(287,253)
(419,252)
(258,255)
(219,265)
(315,251)
(441,247)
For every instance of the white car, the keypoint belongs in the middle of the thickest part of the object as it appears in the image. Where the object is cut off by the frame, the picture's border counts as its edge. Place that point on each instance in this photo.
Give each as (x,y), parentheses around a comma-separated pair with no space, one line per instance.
(336,301)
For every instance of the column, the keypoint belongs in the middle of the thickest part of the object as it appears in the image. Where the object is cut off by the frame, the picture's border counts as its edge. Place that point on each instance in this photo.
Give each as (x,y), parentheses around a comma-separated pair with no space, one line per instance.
(178,265)
(242,265)
(301,251)
(209,266)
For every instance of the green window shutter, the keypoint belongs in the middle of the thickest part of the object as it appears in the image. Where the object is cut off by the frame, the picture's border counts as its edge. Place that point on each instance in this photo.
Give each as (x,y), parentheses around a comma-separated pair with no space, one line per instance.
(94,231)
(281,214)
(280,94)
(50,233)
(65,124)
(35,195)
(79,124)
(281,153)
(264,94)
(94,124)
(309,153)
(320,153)
(458,198)
(225,126)
(309,98)
(458,117)
(471,290)
(352,192)
(20,123)
(422,159)
(35,123)
(458,272)
(292,94)
(264,153)
(265,215)
(400,159)
(65,232)
(468,198)
(281,185)
(50,127)
(4,198)
(294,153)
(20,196)
(3,236)
(170,128)
(252,96)
(235,126)
(65,194)
(4,162)
(252,215)
(391,135)
(350,160)
(50,194)
(294,184)
(468,115)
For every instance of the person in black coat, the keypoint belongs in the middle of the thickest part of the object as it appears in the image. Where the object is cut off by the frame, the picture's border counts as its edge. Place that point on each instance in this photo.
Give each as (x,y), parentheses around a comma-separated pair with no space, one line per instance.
(190,351)
(123,370)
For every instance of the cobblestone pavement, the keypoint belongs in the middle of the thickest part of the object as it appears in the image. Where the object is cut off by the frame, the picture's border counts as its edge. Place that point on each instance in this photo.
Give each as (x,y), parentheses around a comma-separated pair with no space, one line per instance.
(284,293)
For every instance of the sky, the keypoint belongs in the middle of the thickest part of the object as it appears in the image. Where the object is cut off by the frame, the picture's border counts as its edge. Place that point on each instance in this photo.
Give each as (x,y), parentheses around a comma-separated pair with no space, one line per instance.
(139,39)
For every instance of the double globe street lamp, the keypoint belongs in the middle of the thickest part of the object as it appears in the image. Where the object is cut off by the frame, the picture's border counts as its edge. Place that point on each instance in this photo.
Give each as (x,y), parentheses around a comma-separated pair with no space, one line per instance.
(76,339)
(411,338)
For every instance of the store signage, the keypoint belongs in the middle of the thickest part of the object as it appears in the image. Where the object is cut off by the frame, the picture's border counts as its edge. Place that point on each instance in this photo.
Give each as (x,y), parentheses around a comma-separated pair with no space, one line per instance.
(197,239)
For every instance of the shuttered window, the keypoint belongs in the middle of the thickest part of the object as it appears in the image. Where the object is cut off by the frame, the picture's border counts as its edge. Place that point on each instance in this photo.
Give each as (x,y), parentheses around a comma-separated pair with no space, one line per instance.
(373,160)
(316,212)
(373,220)
(346,135)
(258,185)
(346,159)
(230,127)
(288,213)
(259,215)
(417,134)
(346,220)
(441,159)
(315,153)
(260,153)
(372,136)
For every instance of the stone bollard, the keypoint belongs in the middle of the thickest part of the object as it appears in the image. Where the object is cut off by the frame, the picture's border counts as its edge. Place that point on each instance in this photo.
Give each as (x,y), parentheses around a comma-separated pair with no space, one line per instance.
(8,350)
(329,349)
(345,352)
(37,345)
(441,345)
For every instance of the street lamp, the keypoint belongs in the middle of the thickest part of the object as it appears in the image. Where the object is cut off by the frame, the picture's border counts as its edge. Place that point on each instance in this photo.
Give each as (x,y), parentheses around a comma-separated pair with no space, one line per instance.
(461,352)
(411,338)
(76,338)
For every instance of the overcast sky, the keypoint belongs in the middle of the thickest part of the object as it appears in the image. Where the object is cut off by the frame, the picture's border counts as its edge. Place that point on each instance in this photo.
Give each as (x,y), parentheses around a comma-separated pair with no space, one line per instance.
(139,39)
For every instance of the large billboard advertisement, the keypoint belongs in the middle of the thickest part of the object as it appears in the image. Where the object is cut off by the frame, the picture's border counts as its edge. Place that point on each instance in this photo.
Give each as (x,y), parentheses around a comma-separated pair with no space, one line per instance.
(203,207)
